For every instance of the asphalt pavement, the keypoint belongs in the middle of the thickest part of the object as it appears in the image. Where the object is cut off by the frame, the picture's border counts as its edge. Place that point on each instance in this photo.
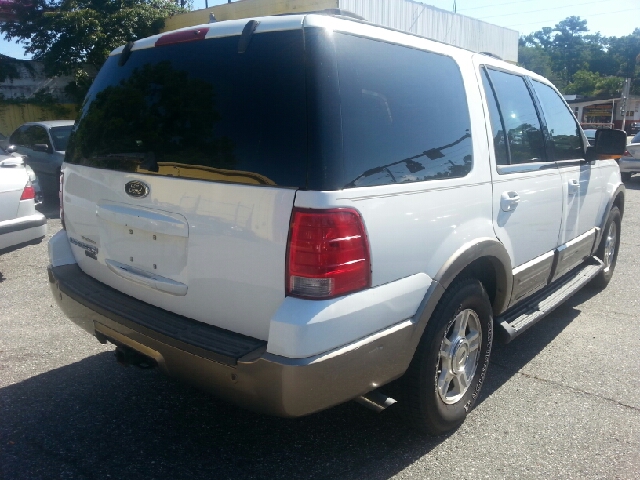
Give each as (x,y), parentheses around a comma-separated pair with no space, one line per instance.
(561,401)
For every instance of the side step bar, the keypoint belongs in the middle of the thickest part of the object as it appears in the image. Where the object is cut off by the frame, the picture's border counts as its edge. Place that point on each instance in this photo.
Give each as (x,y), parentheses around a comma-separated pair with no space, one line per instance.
(519,318)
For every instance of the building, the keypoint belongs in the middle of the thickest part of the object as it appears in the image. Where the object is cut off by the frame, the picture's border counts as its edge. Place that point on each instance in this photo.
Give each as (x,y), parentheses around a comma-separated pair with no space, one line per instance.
(405,15)
(604,110)
(30,78)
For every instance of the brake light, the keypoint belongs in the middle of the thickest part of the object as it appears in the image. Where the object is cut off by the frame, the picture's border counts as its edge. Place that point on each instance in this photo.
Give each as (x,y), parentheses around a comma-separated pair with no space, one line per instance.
(182,36)
(327,254)
(627,154)
(29,193)
(60,196)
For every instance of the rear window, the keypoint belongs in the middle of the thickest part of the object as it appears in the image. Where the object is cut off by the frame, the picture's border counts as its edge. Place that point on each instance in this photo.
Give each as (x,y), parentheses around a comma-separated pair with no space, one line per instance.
(636,139)
(60,136)
(201,110)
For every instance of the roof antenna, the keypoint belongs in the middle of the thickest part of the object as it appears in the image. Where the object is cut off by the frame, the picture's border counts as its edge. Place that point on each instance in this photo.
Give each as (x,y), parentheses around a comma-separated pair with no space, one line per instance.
(247,33)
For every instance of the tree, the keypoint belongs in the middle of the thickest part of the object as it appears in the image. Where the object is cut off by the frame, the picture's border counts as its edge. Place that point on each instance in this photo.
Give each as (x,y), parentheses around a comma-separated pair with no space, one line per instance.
(68,35)
(576,62)
(593,84)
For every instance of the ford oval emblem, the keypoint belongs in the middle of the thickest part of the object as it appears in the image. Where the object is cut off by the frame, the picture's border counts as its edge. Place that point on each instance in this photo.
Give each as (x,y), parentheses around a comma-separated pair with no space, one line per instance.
(136,188)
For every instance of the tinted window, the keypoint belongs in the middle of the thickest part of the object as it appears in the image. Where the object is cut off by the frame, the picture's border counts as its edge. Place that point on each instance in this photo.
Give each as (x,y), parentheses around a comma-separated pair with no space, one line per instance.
(524,134)
(35,134)
(17,137)
(497,127)
(566,141)
(404,114)
(636,139)
(60,136)
(201,110)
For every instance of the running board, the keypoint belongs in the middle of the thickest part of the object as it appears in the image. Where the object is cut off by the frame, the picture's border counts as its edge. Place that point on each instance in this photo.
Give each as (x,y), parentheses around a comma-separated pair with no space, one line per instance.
(519,318)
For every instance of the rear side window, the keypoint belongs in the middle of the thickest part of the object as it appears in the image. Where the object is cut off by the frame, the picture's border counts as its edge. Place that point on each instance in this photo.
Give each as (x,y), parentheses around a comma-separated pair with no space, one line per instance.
(566,141)
(60,136)
(497,122)
(404,114)
(201,110)
(34,135)
(524,135)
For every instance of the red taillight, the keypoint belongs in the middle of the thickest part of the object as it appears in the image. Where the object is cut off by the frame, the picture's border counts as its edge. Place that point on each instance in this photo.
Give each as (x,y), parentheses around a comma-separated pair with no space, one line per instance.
(60,195)
(29,193)
(627,154)
(182,36)
(328,253)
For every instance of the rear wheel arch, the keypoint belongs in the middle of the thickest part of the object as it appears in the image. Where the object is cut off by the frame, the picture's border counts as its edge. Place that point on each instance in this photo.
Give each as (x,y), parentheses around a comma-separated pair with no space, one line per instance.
(619,202)
(486,260)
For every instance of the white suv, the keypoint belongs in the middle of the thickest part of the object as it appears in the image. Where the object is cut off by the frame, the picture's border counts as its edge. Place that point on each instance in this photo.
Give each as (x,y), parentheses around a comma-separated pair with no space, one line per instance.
(294,211)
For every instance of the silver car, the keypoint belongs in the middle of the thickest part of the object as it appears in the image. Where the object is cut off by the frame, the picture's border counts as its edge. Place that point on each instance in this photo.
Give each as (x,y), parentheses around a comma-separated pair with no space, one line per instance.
(43,144)
(630,161)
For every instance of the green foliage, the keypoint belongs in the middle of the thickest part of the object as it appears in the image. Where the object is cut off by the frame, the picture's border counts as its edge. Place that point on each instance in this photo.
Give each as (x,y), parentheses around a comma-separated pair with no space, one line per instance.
(592,84)
(66,34)
(581,63)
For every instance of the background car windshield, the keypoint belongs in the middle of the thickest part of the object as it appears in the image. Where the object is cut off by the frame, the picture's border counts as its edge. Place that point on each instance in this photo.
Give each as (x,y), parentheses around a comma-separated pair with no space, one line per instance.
(60,137)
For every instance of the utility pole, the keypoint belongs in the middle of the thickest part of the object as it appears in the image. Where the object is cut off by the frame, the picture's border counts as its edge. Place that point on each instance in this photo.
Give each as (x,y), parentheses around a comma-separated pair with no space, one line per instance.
(625,96)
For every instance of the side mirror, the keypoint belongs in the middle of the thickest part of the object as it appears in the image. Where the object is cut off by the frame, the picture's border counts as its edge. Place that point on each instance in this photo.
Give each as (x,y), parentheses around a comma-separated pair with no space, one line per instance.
(610,142)
(11,149)
(43,147)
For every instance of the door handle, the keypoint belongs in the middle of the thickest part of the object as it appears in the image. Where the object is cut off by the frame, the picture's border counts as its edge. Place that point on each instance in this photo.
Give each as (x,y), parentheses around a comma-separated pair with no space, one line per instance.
(574,186)
(509,201)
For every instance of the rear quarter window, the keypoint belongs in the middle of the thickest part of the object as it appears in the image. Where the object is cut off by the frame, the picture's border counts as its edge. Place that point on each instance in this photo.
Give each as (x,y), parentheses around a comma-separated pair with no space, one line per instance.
(404,114)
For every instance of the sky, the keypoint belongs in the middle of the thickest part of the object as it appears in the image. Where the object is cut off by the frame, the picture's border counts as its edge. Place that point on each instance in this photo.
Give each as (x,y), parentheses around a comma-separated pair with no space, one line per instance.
(609,17)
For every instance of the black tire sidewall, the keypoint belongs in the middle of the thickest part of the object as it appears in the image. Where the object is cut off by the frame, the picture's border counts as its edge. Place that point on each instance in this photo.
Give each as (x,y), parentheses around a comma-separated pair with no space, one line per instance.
(441,417)
(614,216)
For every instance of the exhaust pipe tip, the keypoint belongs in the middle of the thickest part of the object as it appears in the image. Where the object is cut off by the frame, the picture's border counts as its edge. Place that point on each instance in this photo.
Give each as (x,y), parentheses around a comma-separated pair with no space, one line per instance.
(121,356)
(126,356)
(376,401)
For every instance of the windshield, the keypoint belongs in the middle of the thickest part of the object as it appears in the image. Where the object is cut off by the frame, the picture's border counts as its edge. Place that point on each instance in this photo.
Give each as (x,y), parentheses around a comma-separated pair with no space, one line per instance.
(60,136)
(201,110)
(636,139)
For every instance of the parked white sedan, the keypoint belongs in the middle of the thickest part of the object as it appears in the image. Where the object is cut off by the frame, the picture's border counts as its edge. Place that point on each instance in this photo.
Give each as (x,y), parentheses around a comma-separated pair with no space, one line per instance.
(630,161)
(19,220)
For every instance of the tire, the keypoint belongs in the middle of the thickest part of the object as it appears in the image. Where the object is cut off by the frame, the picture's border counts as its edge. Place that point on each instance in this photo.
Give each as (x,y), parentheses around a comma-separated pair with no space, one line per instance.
(434,401)
(608,248)
(625,176)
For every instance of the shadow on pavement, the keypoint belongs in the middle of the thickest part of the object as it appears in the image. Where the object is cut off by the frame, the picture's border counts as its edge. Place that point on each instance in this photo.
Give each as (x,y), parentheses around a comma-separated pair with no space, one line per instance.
(96,419)
(50,207)
(634,183)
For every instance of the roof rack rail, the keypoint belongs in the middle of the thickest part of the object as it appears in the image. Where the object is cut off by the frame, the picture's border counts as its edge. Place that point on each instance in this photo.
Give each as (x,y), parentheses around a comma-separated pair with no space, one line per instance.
(489,54)
(336,12)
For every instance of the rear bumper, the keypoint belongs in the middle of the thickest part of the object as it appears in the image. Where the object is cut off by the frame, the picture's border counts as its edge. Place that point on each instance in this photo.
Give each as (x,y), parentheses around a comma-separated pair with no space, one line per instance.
(231,366)
(22,229)
(629,165)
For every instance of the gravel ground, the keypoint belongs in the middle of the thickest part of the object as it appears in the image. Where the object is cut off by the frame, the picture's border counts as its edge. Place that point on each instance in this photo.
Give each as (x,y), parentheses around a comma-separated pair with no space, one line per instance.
(561,401)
